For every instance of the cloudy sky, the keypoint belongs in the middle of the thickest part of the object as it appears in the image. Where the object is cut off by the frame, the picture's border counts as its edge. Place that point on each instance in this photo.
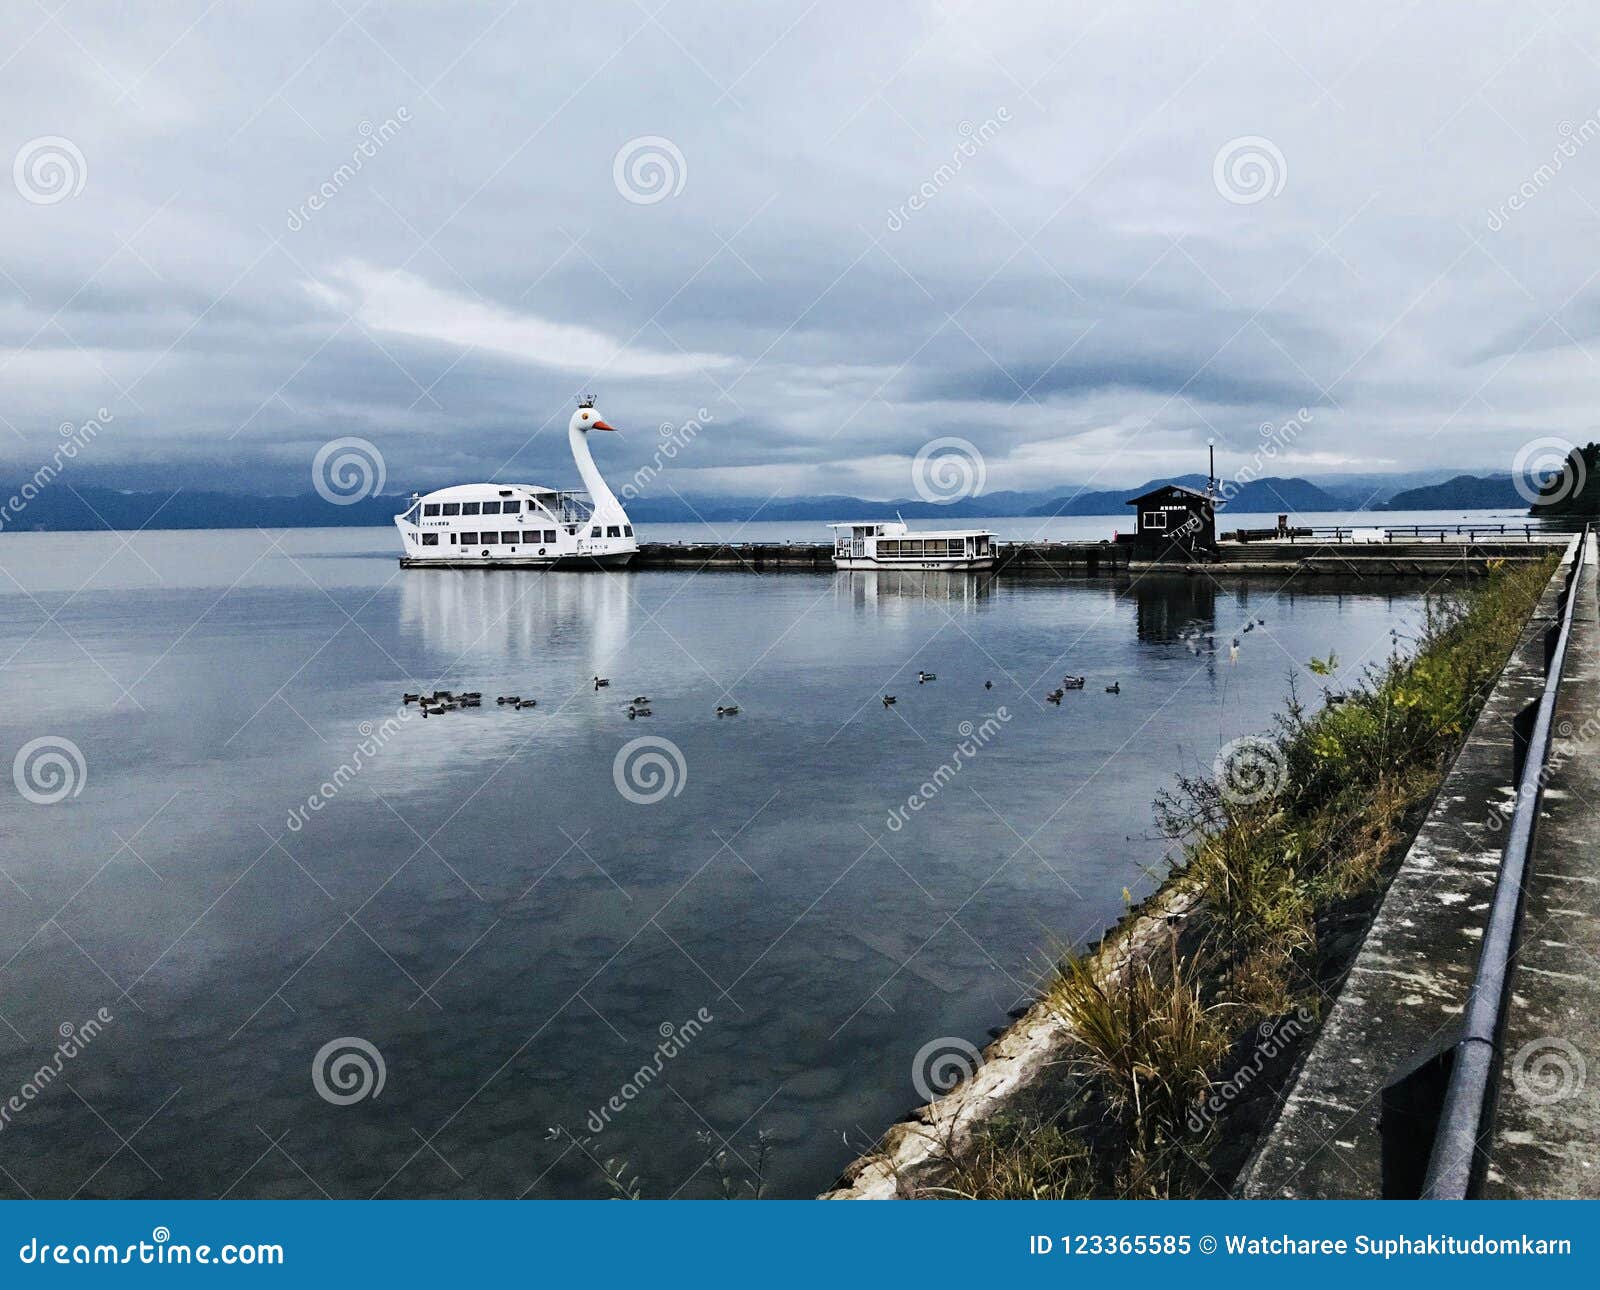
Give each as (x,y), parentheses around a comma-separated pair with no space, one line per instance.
(1085,238)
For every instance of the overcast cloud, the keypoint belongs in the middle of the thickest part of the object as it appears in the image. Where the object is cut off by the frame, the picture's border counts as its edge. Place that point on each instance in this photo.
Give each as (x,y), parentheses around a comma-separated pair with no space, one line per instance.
(841,229)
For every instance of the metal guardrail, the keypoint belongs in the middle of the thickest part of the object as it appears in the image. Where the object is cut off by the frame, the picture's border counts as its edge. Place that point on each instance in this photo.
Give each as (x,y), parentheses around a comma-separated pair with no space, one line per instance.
(1445,1105)
(1340,533)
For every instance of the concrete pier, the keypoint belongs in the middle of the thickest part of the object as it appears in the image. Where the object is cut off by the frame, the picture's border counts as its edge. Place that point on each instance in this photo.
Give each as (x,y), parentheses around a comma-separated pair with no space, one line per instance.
(1406,558)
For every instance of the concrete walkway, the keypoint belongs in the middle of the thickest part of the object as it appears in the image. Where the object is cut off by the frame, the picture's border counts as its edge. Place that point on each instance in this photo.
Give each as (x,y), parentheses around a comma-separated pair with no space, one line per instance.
(1547,1132)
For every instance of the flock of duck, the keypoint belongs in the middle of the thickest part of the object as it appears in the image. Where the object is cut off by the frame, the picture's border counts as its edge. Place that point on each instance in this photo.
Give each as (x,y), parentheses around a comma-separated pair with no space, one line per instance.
(442,701)
(1055,696)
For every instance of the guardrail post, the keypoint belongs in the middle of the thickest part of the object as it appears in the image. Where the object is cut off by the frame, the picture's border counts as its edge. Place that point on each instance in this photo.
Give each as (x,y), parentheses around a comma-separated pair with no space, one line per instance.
(1408,1122)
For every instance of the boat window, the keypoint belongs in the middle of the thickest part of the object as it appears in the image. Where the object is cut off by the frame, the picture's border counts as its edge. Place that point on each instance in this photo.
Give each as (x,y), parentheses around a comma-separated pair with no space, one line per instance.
(430,539)
(467,539)
(613,530)
(430,508)
(491,508)
(627,530)
(510,537)
(887,546)
(469,508)
(450,508)
(595,531)
(530,535)
(550,535)
(510,508)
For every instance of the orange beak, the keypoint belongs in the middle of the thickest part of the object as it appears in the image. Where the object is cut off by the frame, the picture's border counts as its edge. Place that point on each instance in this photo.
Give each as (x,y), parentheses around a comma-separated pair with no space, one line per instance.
(601,425)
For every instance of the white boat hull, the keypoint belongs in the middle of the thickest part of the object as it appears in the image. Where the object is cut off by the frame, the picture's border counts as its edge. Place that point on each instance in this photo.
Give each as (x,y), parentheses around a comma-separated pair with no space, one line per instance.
(974,563)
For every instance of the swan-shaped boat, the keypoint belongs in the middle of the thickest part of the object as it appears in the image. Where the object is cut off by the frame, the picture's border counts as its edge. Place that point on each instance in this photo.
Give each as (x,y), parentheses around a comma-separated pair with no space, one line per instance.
(522,525)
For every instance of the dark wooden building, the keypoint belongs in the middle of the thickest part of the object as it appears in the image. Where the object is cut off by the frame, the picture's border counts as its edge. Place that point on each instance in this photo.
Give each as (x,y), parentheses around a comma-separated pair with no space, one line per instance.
(1175,523)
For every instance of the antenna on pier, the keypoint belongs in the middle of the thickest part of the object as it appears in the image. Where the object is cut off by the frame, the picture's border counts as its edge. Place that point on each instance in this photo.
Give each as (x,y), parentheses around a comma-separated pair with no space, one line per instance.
(1211,470)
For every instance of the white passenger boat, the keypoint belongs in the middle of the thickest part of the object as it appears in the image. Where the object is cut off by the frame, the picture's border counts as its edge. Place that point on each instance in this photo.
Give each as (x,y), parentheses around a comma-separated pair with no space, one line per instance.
(522,525)
(886,544)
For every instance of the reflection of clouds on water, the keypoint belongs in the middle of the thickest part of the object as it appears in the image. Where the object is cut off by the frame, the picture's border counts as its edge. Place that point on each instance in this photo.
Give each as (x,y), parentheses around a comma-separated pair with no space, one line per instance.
(899,592)
(512,615)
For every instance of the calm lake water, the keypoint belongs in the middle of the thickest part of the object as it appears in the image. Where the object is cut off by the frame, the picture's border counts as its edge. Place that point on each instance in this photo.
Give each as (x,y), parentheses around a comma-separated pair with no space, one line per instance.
(479,900)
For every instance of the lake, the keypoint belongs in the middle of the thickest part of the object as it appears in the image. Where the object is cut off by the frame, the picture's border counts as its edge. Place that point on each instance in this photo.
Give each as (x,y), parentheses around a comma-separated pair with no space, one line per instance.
(237,846)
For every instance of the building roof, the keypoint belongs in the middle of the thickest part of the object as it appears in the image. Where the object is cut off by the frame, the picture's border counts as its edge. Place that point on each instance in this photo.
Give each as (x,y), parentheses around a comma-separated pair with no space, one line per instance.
(1180,490)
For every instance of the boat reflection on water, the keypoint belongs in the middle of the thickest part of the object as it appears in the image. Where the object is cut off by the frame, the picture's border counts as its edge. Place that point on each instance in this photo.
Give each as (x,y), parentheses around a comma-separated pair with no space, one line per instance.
(887,591)
(486,617)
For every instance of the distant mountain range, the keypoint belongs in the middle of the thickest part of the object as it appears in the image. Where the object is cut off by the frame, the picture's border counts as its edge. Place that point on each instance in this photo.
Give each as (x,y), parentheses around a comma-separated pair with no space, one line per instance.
(1464,492)
(61,506)
(1263,496)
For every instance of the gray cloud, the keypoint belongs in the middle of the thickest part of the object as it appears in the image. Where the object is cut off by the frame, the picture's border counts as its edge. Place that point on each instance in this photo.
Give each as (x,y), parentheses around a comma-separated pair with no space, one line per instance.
(876,226)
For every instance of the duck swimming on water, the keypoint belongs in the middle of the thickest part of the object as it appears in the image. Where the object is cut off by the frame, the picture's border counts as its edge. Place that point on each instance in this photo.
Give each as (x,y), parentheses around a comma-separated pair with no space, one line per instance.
(731,710)
(924,677)
(601,681)
(1114,688)
(888,700)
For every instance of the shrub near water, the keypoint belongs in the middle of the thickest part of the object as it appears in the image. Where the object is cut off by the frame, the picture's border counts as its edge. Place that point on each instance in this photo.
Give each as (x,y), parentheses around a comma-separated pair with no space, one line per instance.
(1152,1041)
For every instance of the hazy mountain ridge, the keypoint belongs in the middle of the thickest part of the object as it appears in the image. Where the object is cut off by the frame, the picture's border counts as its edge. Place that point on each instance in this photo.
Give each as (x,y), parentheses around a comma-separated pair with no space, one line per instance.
(60,506)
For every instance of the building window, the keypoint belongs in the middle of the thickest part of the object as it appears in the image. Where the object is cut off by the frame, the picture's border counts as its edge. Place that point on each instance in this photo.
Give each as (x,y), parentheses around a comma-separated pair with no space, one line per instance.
(467,539)
(491,508)
(430,539)
(1155,519)
(430,508)
(469,508)
(510,508)
(450,508)
(550,536)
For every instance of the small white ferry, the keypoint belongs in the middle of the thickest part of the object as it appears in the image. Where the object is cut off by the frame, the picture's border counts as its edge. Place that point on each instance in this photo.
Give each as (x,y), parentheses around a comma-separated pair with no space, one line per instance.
(522,525)
(891,545)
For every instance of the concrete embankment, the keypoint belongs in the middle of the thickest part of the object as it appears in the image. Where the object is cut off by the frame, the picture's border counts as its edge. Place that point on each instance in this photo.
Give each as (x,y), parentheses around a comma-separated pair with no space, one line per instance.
(1404,995)
(1099,559)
